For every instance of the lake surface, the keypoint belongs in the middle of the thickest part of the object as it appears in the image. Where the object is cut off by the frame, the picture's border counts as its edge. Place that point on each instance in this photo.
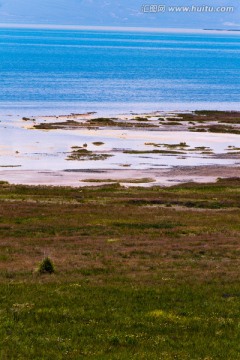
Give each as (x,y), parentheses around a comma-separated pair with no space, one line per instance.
(52,72)
(62,71)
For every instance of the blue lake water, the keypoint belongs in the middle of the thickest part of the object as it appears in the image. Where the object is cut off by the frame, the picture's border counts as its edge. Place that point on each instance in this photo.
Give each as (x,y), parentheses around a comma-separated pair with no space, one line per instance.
(62,71)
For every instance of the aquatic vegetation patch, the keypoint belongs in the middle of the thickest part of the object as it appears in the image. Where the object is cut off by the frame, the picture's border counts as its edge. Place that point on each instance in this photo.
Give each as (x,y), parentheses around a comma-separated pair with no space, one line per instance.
(98,143)
(140,118)
(10,166)
(166,152)
(82,154)
(102,121)
(233,148)
(128,181)
(119,123)
(198,121)
(181,145)
(222,129)
(94,123)
(69,124)
(172,123)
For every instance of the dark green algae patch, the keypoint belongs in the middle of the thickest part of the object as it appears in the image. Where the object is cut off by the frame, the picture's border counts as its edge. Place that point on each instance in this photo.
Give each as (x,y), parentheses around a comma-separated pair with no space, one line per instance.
(84,154)
(198,121)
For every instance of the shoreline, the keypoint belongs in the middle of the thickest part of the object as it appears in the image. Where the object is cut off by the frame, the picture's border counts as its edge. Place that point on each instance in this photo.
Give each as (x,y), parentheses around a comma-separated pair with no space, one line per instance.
(20,109)
(124,177)
(158,148)
(74,27)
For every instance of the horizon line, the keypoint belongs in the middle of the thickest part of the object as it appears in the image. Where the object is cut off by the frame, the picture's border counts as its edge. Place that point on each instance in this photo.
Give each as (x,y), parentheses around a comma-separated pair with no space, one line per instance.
(116,28)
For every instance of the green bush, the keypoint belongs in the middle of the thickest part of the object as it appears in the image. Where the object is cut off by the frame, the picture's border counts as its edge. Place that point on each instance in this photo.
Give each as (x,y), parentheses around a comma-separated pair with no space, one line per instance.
(46,266)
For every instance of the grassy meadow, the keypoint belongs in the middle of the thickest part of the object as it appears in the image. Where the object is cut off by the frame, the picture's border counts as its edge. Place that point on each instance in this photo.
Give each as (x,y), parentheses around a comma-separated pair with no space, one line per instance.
(141,273)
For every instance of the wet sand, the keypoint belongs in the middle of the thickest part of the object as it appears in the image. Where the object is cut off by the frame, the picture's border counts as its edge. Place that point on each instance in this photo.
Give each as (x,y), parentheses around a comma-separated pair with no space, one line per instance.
(158,148)
(76,178)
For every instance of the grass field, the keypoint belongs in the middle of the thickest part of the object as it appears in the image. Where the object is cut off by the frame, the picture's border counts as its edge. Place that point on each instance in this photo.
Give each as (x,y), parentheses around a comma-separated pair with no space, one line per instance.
(141,273)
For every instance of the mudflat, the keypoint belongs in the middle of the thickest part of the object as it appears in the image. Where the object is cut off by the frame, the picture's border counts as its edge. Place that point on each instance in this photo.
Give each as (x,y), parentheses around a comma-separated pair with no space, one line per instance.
(161,148)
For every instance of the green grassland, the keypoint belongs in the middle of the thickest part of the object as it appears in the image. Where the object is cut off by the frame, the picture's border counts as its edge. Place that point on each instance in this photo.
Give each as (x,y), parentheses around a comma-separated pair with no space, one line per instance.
(141,273)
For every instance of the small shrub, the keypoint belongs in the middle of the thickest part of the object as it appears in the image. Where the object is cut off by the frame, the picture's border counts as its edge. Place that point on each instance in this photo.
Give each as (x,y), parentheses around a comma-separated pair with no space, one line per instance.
(46,266)
(115,341)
